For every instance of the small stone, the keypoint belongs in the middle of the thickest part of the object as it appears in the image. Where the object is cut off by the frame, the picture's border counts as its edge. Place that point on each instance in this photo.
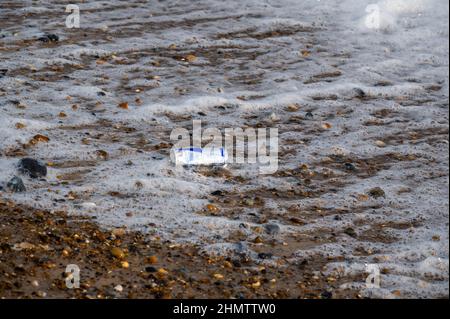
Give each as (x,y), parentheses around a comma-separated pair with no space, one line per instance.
(101,154)
(349,167)
(32,168)
(351,232)
(217,193)
(49,38)
(212,208)
(118,232)
(258,240)
(125,264)
(272,229)
(191,58)
(326,295)
(117,253)
(20,126)
(35,283)
(309,116)
(118,288)
(377,192)
(274,118)
(292,108)
(249,202)
(380,143)
(41,294)
(265,256)
(326,126)
(16,185)
(218,276)
(359,93)
(162,272)
(256,285)
(151,269)
(152,260)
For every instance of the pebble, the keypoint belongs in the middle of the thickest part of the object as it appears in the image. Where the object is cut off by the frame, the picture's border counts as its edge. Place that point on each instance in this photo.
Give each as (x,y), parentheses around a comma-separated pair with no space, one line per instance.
(349,167)
(212,208)
(292,108)
(16,185)
(152,260)
(150,269)
(32,168)
(265,255)
(309,116)
(49,38)
(272,229)
(377,192)
(380,143)
(118,253)
(359,93)
(118,288)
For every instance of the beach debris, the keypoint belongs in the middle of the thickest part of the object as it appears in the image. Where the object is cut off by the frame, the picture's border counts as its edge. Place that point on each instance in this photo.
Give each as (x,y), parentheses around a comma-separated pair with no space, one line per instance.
(16,185)
(32,168)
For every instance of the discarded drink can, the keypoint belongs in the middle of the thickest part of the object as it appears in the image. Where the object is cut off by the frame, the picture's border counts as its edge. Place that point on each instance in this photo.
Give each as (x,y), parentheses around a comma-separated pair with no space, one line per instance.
(199,156)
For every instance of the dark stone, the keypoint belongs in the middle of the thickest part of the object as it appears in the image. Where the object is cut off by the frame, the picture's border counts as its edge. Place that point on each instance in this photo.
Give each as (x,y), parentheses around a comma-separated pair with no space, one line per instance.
(3,72)
(337,218)
(100,93)
(265,255)
(349,167)
(16,185)
(150,269)
(49,38)
(326,295)
(32,168)
(309,115)
(377,192)
(217,193)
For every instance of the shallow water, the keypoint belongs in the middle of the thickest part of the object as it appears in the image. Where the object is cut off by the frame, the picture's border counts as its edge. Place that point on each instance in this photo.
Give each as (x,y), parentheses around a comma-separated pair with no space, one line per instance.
(253,61)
